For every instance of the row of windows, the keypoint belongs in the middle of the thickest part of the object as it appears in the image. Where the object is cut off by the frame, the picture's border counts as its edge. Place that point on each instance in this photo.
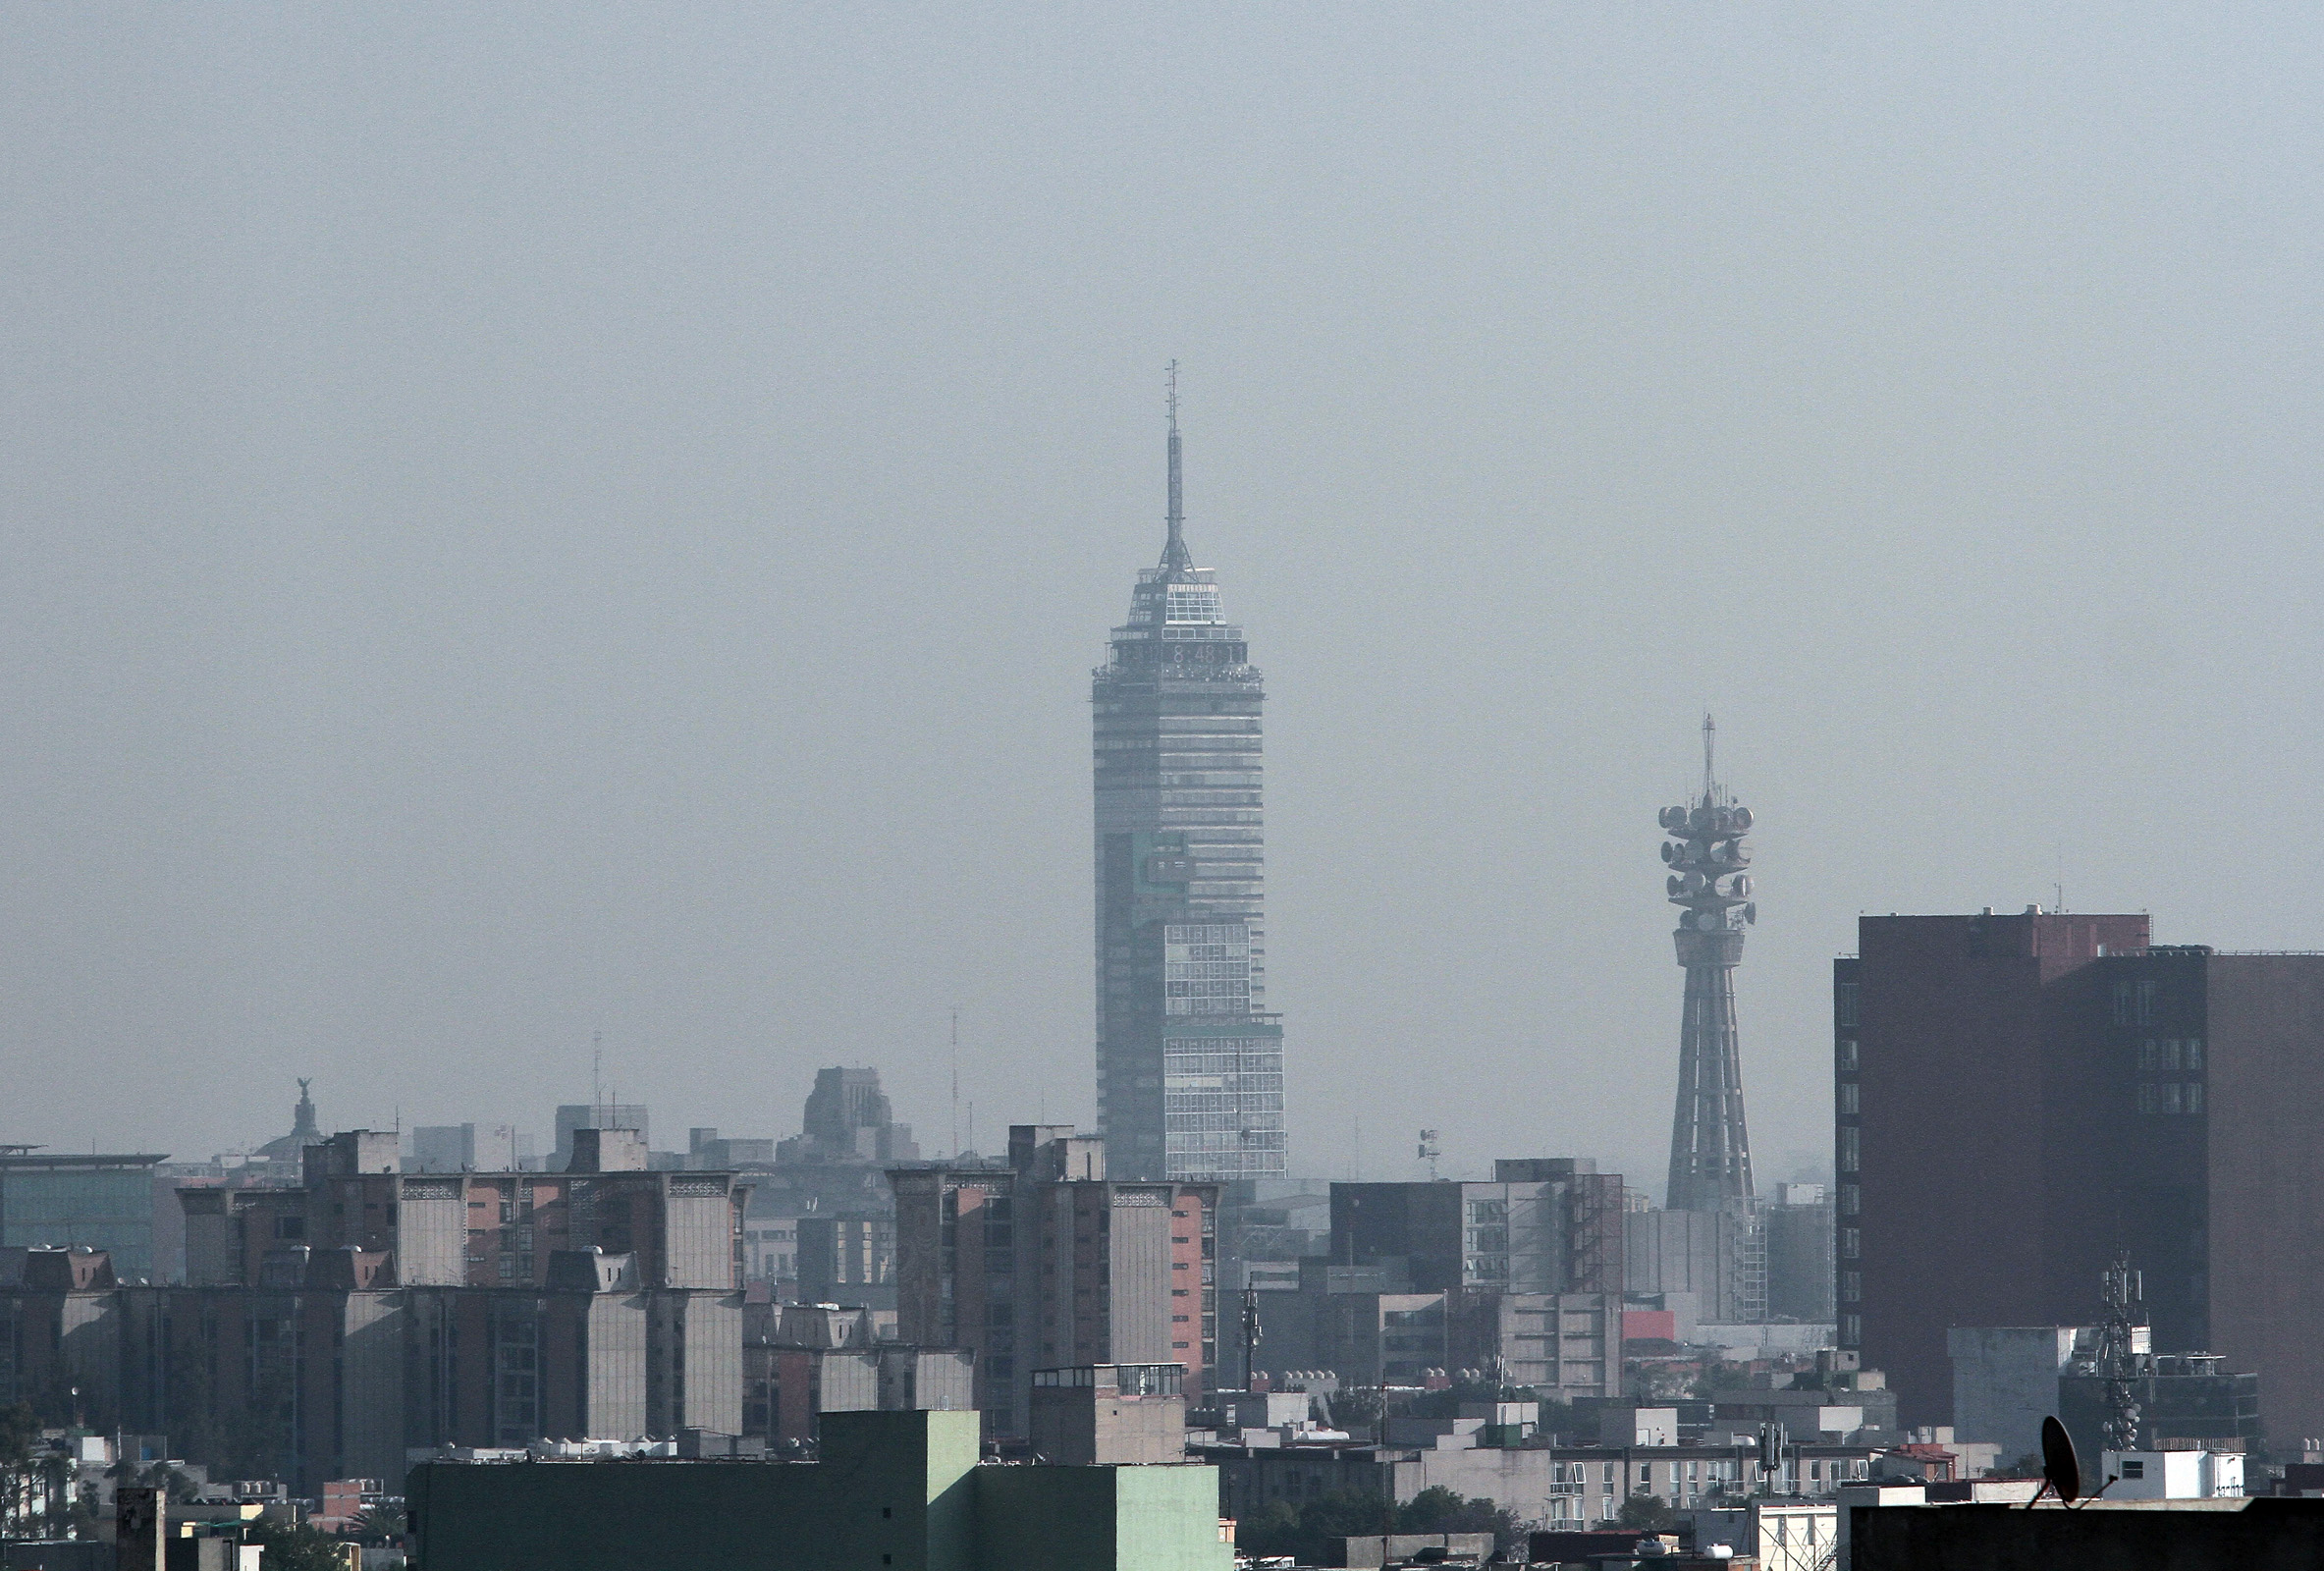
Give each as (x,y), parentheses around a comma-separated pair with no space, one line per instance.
(2171,1054)
(1191,1101)
(1226,1164)
(2135,1000)
(1177,1063)
(1254,1140)
(1236,970)
(1191,604)
(1237,1005)
(1247,1119)
(2170,1097)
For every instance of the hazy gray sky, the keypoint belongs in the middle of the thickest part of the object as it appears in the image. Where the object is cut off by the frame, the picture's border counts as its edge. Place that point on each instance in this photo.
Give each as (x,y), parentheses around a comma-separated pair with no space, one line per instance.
(523,521)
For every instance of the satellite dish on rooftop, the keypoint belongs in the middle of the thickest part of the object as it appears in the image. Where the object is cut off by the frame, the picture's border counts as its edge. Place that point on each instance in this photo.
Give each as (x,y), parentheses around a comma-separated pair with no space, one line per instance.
(2059,1468)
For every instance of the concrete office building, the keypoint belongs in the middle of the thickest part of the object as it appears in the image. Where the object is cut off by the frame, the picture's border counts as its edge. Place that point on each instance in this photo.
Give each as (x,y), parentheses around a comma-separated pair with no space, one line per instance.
(820,1222)
(847,1259)
(1110,1414)
(59,1331)
(572,1116)
(1565,1485)
(1802,1270)
(327,1368)
(801,1361)
(1367,1325)
(1545,1225)
(2074,1092)
(467,1147)
(331,1327)
(1716,1259)
(707,1149)
(95,1202)
(476,1229)
(849,1120)
(1190,1064)
(1052,1264)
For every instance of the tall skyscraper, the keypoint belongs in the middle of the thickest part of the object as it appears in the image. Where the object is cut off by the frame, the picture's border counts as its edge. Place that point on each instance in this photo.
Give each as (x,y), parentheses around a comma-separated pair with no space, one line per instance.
(1190,1065)
(1709,1146)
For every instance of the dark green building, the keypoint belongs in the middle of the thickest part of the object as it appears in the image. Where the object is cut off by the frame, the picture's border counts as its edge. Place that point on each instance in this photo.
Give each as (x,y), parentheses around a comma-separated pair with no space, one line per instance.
(896,1491)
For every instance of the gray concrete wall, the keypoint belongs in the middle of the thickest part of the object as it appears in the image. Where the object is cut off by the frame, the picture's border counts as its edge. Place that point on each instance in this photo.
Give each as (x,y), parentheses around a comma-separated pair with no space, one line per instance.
(432,1232)
(616,1342)
(2005,1382)
(699,1241)
(372,1385)
(1140,1300)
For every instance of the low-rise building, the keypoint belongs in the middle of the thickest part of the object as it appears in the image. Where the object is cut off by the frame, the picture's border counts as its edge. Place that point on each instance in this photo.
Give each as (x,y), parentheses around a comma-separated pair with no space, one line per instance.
(1576,1485)
(2181,1397)
(2185,1473)
(1781,1534)
(1543,1225)
(1109,1413)
(801,1361)
(846,1260)
(1905,1535)
(1369,1326)
(892,1490)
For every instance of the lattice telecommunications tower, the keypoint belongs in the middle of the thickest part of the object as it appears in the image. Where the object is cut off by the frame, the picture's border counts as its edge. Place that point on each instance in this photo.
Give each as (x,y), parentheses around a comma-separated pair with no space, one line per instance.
(1709,1146)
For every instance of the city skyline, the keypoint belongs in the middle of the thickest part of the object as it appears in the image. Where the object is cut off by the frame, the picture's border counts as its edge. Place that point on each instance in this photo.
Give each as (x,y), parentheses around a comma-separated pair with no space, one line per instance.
(460,604)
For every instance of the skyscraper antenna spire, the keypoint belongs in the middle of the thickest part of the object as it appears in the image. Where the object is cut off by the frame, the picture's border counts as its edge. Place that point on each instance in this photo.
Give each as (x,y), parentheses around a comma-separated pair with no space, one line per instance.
(1175,552)
(1710,737)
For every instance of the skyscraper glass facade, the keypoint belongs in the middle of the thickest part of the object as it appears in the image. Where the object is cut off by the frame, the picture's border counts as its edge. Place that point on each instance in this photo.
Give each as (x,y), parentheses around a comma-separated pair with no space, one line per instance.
(1190,1064)
(95,1202)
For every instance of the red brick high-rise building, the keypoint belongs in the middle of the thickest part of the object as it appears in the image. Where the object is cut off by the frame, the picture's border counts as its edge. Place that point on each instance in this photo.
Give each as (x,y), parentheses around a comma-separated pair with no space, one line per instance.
(2019,1097)
(1047,1263)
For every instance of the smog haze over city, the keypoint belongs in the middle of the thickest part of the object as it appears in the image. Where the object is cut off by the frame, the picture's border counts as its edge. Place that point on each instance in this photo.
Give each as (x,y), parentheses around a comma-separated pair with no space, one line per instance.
(526,524)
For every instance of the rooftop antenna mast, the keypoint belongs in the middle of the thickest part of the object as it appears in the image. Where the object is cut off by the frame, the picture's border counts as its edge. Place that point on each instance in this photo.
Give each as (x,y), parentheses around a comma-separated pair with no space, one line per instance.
(1710,737)
(1174,553)
(2119,1350)
(597,1077)
(955,1084)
